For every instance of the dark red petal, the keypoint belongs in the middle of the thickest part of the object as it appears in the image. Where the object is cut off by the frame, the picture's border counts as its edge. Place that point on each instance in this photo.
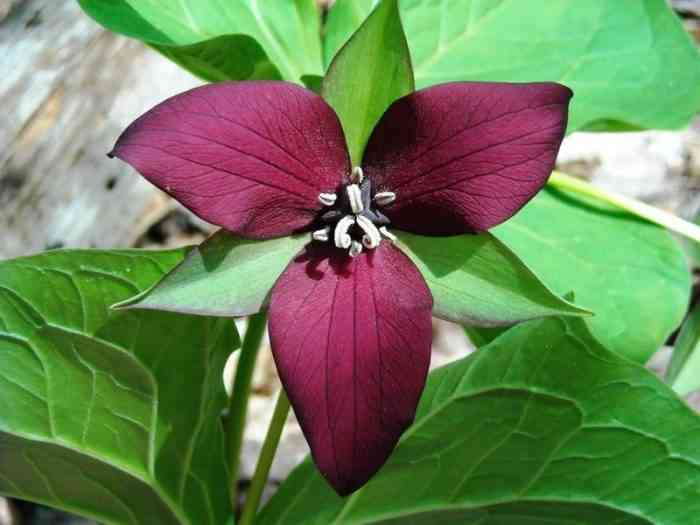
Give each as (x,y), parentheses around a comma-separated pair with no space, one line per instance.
(466,156)
(250,157)
(351,339)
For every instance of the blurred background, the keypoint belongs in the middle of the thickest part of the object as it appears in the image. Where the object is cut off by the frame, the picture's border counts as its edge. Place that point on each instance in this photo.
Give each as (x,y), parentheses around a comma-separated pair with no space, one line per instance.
(68,88)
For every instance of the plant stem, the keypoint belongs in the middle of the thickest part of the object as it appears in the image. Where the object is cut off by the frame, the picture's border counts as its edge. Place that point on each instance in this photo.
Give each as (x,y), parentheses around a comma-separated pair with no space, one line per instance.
(234,425)
(651,213)
(267,454)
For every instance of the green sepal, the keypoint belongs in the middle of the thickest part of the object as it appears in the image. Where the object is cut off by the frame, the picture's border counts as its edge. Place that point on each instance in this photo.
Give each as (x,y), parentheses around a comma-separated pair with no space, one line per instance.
(224,276)
(477,280)
(371,71)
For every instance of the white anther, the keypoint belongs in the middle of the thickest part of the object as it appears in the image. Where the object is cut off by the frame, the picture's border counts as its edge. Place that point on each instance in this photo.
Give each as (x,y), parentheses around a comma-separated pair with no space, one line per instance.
(355,198)
(321,235)
(357,175)
(327,199)
(386,233)
(341,237)
(384,197)
(355,249)
(372,237)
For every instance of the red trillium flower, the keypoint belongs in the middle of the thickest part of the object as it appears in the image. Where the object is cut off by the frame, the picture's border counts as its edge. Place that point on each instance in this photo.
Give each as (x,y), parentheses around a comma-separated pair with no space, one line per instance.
(350,317)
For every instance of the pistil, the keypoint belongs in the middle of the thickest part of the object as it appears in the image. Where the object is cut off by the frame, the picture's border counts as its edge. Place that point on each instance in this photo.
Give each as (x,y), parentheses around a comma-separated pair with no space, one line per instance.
(353,214)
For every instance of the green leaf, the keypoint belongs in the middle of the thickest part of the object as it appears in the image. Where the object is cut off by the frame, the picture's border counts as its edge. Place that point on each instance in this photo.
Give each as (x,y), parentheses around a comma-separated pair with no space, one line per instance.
(369,73)
(224,276)
(630,63)
(112,415)
(223,58)
(477,280)
(543,426)
(668,220)
(481,336)
(343,18)
(312,82)
(692,248)
(631,274)
(287,32)
(683,372)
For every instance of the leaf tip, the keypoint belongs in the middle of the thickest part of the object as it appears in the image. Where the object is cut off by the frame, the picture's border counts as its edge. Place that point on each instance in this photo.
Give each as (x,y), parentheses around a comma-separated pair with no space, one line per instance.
(577,311)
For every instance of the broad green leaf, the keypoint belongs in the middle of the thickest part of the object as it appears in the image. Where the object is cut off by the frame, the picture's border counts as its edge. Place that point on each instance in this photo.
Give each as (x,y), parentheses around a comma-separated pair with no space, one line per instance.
(112,415)
(224,276)
(481,336)
(629,62)
(369,73)
(631,274)
(223,58)
(542,426)
(477,280)
(287,32)
(343,18)
(684,370)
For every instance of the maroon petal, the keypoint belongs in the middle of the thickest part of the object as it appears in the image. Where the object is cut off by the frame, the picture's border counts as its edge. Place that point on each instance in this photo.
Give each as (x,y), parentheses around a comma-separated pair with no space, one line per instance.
(466,156)
(351,339)
(250,157)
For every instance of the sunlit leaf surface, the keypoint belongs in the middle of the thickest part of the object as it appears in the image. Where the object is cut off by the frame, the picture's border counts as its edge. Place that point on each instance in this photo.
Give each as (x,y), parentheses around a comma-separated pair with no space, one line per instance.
(630,63)
(287,32)
(631,274)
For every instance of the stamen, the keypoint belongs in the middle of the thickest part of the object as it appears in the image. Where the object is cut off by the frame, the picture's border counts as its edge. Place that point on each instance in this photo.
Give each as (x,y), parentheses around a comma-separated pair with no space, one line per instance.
(372,237)
(355,198)
(355,249)
(327,199)
(384,197)
(341,237)
(321,235)
(357,175)
(386,233)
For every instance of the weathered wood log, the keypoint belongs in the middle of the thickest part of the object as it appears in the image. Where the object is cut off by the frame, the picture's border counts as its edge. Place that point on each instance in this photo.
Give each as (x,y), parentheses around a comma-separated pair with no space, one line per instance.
(68,88)
(687,6)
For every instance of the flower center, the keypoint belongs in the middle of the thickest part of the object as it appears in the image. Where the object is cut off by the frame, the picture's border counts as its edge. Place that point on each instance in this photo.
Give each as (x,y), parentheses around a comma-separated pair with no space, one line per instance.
(354,221)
